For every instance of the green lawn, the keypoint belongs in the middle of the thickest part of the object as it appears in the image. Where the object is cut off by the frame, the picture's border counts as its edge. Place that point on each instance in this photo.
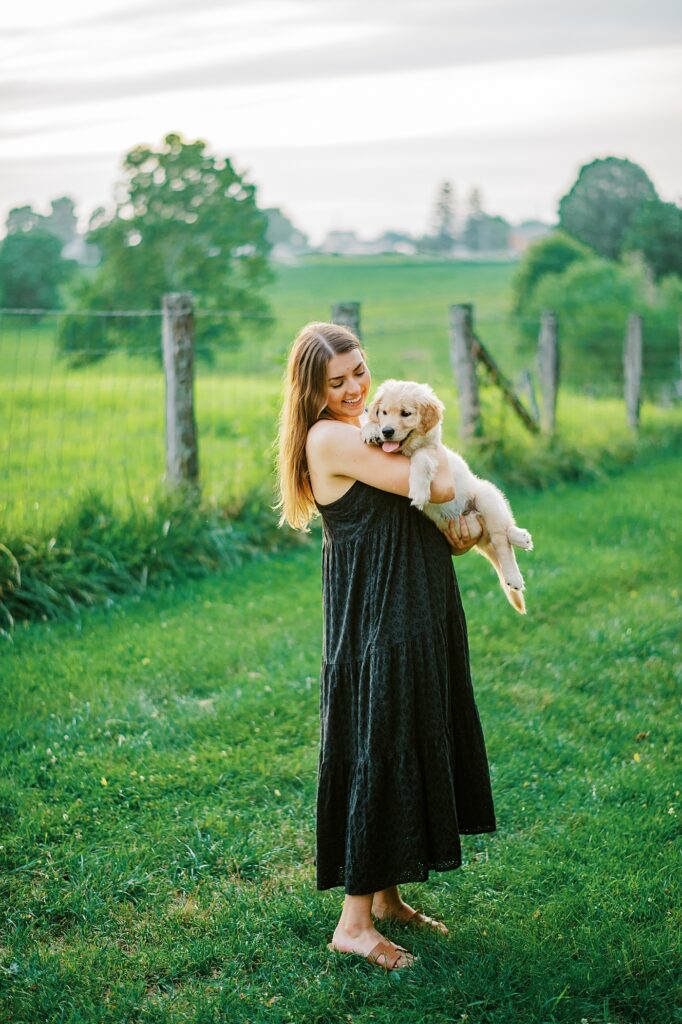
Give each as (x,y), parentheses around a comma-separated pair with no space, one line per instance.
(158,785)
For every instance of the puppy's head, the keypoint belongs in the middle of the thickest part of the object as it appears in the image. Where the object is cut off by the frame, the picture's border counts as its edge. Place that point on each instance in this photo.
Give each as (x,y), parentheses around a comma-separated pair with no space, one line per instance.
(403,409)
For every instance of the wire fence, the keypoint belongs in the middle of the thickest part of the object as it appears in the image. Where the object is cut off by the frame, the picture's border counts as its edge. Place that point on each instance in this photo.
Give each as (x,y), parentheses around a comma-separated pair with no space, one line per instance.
(74,419)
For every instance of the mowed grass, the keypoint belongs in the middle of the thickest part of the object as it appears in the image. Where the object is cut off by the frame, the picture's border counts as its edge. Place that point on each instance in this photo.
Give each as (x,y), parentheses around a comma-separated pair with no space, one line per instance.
(158,792)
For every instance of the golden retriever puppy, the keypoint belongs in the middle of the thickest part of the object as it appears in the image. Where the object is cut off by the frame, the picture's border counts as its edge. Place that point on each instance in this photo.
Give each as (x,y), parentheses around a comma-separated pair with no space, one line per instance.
(406,417)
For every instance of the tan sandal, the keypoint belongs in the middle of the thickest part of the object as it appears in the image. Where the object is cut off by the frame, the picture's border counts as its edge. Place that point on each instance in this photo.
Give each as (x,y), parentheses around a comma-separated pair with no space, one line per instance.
(391,953)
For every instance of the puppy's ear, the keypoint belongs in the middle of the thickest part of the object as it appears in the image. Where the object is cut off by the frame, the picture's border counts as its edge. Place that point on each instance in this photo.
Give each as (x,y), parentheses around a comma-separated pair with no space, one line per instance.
(373,410)
(431,412)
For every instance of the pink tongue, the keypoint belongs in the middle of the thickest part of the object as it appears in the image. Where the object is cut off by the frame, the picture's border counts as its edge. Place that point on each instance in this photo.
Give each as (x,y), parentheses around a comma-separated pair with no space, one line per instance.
(390,446)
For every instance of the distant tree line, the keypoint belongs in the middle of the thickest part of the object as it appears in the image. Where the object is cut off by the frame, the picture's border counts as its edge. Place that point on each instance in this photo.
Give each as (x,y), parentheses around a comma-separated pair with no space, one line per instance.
(187,220)
(32,265)
(477,231)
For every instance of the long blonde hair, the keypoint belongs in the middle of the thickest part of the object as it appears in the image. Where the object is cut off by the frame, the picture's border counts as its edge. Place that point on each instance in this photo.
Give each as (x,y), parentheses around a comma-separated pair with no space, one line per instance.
(305,399)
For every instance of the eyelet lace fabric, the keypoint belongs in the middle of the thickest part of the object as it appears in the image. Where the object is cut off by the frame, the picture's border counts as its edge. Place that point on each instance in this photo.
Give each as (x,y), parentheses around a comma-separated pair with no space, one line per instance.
(403,769)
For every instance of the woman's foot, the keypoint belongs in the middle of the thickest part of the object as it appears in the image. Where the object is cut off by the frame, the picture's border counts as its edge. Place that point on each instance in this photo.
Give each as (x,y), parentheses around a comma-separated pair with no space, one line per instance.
(402,913)
(363,940)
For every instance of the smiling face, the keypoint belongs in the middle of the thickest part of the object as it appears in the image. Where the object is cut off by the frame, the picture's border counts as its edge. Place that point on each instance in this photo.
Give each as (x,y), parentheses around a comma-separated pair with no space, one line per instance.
(348,383)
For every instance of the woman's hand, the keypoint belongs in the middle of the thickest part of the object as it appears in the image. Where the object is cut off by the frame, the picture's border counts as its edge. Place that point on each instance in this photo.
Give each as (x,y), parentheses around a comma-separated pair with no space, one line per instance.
(463,532)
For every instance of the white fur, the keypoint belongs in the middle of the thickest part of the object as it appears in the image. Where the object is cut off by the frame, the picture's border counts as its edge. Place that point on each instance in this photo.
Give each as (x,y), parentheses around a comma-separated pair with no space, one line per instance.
(414,414)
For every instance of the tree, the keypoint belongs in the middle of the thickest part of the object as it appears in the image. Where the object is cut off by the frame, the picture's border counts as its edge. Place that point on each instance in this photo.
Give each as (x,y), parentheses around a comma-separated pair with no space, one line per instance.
(656,232)
(601,204)
(482,231)
(592,299)
(31,270)
(185,220)
(549,255)
(474,203)
(22,219)
(60,222)
(282,231)
(485,233)
(443,234)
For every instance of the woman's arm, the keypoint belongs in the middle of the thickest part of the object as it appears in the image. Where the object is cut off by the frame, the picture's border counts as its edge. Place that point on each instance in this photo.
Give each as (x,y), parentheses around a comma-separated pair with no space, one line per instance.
(337,450)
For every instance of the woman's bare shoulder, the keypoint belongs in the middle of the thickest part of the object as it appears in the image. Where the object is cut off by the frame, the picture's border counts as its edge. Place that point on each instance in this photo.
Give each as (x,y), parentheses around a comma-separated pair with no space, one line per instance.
(325,432)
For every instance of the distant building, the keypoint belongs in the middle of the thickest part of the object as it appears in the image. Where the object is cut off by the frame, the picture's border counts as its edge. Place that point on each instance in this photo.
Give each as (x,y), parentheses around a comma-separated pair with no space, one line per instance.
(347,243)
(524,234)
(343,243)
(283,253)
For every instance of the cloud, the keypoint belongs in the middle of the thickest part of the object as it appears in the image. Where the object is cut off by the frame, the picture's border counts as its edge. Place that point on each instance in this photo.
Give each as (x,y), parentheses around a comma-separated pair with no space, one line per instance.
(157,48)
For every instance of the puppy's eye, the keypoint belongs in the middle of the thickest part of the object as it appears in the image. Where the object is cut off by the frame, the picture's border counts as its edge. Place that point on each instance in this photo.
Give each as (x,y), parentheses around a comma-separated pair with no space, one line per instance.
(403,413)
(383,412)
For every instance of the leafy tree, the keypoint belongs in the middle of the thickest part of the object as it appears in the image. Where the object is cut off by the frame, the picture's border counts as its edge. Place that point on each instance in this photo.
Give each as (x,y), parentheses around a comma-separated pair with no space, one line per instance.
(549,255)
(592,299)
(22,219)
(60,222)
(185,220)
(656,232)
(31,270)
(601,204)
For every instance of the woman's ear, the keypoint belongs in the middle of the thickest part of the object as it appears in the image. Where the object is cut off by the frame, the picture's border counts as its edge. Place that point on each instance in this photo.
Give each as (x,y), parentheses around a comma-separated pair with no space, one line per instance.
(431,413)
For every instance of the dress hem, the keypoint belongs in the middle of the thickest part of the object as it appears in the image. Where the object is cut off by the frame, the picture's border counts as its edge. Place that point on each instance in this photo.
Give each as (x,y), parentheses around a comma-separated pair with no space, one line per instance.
(405,877)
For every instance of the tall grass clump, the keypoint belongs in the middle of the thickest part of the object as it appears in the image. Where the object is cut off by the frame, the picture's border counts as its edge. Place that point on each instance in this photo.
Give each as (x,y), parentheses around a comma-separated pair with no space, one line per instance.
(99,552)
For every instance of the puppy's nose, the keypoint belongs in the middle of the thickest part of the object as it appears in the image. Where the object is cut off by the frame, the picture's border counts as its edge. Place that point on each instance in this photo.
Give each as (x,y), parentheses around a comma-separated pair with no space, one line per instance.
(388,431)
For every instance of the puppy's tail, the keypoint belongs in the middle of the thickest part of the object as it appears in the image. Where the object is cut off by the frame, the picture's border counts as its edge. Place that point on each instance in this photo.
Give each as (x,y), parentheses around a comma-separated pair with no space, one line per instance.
(516,599)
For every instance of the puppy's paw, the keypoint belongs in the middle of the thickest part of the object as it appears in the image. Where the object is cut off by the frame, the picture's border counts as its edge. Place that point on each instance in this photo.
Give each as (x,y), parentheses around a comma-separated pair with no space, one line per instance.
(514,581)
(419,496)
(520,538)
(371,434)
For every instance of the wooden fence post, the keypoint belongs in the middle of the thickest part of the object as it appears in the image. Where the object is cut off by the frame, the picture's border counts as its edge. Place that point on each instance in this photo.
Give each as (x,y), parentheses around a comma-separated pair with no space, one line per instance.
(526,388)
(182,456)
(548,369)
(348,315)
(632,368)
(464,368)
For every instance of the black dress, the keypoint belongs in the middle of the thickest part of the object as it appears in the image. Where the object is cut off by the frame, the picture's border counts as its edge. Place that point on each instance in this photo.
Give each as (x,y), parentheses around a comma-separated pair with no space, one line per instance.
(402,767)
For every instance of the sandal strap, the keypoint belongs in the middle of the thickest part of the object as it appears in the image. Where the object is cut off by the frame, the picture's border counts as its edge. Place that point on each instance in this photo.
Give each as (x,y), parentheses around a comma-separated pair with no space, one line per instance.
(391,955)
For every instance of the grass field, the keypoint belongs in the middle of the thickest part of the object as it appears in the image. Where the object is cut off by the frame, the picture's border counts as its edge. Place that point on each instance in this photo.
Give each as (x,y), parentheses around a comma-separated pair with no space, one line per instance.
(62,431)
(158,786)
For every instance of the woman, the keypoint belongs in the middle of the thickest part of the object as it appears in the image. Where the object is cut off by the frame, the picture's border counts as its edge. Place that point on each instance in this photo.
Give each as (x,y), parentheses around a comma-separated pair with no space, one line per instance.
(403,767)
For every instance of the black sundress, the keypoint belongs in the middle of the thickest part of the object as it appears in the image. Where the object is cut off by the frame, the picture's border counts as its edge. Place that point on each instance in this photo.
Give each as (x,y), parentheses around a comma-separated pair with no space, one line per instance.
(403,768)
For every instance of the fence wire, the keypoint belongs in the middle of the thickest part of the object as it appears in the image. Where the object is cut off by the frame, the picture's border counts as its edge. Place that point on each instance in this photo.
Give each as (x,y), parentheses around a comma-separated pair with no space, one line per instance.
(90,416)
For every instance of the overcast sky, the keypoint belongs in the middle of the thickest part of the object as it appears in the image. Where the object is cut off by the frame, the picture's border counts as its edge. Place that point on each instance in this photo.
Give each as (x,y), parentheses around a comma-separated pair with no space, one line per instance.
(346,113)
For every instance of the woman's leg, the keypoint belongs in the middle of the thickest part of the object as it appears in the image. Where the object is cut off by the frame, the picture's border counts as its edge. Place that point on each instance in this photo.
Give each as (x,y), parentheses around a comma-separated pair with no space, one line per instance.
(389,904)
(355,932)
